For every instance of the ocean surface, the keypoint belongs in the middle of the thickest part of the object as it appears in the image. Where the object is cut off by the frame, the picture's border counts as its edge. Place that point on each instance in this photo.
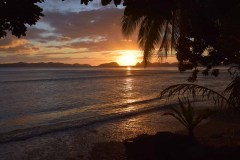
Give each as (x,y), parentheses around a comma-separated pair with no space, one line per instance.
(41,100)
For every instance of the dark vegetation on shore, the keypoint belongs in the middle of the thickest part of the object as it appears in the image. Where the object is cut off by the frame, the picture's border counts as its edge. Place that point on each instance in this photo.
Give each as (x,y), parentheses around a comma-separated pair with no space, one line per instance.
(170,146)
(164,146)
(166,64)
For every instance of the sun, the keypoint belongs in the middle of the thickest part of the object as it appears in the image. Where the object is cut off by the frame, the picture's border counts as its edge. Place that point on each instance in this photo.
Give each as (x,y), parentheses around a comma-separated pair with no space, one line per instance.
(127,58)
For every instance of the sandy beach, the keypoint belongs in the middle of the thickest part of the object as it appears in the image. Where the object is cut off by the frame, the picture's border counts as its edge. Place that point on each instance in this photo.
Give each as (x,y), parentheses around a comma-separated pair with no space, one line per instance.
(98,142)
(79,142)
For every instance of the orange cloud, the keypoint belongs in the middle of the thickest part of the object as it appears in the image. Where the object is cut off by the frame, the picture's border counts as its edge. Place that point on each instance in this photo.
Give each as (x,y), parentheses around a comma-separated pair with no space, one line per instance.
(90,36)
(15,43)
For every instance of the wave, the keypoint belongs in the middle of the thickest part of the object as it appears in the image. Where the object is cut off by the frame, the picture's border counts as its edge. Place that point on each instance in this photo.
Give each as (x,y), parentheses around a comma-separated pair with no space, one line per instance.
(112,105)
(26,133)
(86,107)
(82,77)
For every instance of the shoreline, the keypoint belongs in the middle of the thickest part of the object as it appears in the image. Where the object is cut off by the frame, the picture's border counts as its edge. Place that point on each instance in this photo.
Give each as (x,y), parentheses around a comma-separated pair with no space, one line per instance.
(219,134)
(79,142)
(97,139)
(31,132)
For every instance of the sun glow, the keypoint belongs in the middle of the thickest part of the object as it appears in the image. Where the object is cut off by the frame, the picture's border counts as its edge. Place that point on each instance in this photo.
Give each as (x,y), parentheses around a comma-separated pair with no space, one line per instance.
(128,58)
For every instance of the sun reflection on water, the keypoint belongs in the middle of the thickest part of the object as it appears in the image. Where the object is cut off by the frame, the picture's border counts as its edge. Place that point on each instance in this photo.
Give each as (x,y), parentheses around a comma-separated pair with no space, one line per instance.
(128,87)
(129,71)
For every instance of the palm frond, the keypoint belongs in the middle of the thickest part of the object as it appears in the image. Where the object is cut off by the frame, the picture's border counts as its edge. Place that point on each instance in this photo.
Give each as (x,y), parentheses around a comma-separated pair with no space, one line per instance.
(156,25)
(186,90)
(233,92)
(165,40)
(130,23)
(174,32)
(234,71)
(187,116)
(150,33)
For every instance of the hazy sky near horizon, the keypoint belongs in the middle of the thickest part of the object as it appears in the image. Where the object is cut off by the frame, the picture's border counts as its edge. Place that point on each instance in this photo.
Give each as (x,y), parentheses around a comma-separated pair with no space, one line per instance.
(73,33)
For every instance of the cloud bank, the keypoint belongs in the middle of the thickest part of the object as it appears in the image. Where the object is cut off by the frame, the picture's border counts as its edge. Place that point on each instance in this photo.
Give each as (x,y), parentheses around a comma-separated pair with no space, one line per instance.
(70,34)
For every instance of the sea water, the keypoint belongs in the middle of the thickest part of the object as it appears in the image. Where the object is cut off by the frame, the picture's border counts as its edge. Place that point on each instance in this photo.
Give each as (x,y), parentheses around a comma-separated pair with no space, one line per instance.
(35,101)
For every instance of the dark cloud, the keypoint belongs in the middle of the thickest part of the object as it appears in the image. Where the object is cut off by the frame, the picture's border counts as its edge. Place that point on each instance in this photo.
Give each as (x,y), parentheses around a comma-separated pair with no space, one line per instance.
(105,23)
(27,58)
(34,33)
(6,41)
(86,32)
(87,23)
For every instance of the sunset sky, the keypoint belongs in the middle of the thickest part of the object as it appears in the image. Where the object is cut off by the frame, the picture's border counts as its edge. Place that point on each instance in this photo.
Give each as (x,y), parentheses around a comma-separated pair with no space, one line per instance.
(74,33)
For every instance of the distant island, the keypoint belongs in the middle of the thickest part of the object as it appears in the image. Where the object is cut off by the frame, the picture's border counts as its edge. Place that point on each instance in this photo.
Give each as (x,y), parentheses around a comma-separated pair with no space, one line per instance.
(43,64)
(57,64)
(111,64)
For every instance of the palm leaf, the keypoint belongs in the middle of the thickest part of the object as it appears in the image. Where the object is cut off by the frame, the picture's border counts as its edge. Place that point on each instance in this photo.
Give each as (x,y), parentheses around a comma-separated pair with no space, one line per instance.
(194,90)
(130,23)
(165,40)
(150,33)
(233,92)
(154,25)
(188,117)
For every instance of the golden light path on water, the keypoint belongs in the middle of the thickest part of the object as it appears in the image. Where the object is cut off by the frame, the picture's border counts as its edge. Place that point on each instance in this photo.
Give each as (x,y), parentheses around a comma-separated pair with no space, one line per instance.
(128,86)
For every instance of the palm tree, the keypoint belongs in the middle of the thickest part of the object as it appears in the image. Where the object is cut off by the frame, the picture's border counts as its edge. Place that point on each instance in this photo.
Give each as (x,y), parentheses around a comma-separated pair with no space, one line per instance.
(191,27)
(156,19)
(229,98)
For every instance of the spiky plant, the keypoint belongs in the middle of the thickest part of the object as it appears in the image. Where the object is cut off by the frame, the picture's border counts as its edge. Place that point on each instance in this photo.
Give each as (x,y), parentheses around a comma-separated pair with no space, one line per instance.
(187,115)
(230,97)
(194,90)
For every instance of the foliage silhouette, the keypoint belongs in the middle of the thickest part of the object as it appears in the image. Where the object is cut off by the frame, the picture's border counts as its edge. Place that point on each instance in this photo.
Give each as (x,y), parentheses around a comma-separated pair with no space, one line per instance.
(188,117)
(16,14)
(229,97)
(173,146)
(194,90)
(103,2)
(202,32)
(233,92)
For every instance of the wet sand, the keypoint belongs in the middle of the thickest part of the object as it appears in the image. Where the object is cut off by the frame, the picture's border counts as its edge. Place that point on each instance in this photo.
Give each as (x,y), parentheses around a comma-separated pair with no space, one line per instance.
(104,141)
(77,143)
